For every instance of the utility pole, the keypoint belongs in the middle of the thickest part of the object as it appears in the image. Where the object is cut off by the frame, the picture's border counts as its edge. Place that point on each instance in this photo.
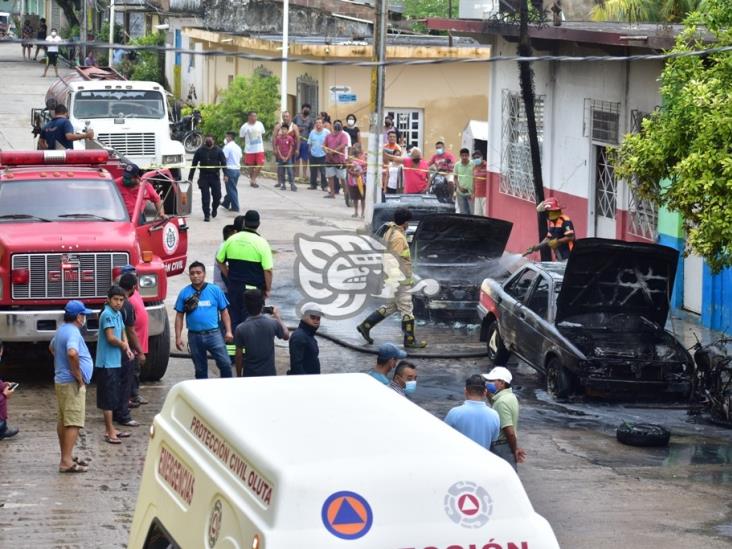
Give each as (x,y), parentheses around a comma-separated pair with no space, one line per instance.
(110,55)
(285,48)
(526,79)
(378,75)
(84,32)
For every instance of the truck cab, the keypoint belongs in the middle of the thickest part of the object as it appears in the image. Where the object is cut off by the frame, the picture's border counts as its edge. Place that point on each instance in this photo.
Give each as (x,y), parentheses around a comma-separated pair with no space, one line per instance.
(65,234)
(339,461)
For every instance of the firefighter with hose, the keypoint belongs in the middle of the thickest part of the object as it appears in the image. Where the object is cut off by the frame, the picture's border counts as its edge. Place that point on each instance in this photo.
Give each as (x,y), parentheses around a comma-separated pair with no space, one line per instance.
(560,236)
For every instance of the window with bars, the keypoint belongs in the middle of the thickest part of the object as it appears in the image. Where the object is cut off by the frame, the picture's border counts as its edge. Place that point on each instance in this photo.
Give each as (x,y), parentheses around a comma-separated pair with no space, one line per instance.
(307,92)
(516,166)
(642,213)
(606,186)
(602,121)
(409,122)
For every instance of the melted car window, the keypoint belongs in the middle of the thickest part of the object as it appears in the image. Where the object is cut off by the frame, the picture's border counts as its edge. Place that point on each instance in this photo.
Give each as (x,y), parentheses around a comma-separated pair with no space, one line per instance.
(520,285)
(539,300)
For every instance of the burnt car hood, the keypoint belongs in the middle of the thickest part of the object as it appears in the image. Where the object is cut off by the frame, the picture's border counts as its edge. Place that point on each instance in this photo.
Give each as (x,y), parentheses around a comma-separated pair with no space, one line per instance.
(611,276)
(459,240)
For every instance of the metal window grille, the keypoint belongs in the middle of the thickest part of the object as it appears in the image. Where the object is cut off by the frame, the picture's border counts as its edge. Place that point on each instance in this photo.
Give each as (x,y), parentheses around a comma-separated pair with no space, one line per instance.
(409,122)
(605,184)
(602,121)
(642,213)
(307,92)
(516,166)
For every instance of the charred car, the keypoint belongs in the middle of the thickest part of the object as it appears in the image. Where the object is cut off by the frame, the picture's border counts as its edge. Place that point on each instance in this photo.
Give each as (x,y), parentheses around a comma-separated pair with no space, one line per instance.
(712,379)
(594,324)
(458,252)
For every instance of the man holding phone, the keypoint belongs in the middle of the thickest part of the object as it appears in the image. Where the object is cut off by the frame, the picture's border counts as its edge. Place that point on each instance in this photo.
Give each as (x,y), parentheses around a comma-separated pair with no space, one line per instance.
(6,390)
(254,338)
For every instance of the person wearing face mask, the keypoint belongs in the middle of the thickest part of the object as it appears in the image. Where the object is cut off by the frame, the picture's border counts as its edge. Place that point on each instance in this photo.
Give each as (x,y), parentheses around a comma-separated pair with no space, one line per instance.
(415,172)
(386,360)
(443,160)
(505,403)
(480,183)
(73,367)
(304,351)
(305,124)
(129,184)
(335,152)
(52,42)
(464,182)
(352,130)
(404,381)
(560,237)
(474,418)
(212,161)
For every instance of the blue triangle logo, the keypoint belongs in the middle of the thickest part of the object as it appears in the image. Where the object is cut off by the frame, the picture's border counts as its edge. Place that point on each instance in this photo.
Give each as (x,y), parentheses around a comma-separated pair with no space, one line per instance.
(347,514)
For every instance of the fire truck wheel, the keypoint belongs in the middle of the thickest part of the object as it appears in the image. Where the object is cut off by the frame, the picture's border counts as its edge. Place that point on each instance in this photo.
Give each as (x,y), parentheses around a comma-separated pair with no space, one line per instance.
(157,356)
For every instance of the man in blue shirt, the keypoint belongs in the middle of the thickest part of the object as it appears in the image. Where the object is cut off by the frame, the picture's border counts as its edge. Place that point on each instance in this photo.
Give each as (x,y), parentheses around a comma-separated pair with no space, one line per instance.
(111,343)
(474,418)
(386,362)
(201,304)
(73,370)
(59,132)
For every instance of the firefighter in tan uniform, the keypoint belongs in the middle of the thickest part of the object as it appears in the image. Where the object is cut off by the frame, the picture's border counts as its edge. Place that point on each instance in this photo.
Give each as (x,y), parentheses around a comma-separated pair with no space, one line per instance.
(397,246)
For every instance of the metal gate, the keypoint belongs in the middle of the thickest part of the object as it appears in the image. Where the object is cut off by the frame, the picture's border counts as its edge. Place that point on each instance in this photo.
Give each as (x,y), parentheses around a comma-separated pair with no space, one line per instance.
(606,194)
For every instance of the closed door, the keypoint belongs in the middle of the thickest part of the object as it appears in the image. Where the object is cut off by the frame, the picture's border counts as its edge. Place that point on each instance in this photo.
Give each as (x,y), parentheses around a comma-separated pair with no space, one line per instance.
(693,273)
(606,194)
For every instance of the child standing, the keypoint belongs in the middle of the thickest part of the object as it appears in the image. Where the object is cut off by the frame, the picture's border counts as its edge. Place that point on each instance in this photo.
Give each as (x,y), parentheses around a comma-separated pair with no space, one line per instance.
(111,343)
(285,151)
(357,179)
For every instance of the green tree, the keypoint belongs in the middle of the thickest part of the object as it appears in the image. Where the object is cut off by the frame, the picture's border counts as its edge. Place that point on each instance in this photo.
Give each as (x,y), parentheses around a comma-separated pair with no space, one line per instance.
(258,92)
(148,65)
(681,159)
(639,11)
(421,9)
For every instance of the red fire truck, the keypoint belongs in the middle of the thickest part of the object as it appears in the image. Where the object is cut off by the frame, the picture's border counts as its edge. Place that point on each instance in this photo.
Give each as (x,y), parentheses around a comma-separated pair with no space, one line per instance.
(65,233)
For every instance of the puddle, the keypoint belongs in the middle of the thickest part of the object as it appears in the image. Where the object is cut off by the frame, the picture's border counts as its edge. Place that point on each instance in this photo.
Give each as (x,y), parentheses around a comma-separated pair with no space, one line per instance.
(699,454)
(724,529)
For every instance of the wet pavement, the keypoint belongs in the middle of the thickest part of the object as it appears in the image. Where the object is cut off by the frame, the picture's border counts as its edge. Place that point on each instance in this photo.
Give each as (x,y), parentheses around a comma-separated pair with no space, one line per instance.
(595,491)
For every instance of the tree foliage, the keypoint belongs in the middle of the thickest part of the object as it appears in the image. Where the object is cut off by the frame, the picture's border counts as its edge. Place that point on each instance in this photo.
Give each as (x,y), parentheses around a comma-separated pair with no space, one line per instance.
(148,64)
(258,92)
(682,157)
(639,11)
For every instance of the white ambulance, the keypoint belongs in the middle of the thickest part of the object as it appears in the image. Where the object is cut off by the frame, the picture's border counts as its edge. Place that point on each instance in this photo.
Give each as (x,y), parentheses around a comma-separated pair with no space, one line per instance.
(314,462)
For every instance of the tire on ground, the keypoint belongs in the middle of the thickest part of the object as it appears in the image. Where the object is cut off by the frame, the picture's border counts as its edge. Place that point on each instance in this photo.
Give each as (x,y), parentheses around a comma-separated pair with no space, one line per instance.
(157,356)
(560,382)
(643,434)
(497,352)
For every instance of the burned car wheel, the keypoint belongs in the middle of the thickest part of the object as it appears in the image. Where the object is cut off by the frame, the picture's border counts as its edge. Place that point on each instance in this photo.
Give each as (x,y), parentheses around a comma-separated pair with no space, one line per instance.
(559,381)
(497,352)
(643,434)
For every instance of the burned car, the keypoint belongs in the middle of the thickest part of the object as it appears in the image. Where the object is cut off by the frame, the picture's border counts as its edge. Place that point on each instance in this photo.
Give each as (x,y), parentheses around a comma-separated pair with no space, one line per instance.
(458,252)
(712,379)
(594,324)
(421,205)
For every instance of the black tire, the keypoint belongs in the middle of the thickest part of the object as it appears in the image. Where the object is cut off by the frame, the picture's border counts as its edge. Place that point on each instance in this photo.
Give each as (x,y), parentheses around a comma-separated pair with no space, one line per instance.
(559,381)
(497,352)
(157,356)
(192,141)
(643,434)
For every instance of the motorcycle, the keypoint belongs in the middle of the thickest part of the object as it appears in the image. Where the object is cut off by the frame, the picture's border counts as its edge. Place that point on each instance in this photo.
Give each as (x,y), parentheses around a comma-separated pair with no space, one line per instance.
(712,379)
(186,131)
(441,188)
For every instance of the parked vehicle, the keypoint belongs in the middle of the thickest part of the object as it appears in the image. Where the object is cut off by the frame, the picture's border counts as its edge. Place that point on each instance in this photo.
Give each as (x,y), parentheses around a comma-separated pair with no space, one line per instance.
(594,324)
(186,131)
(65,233)
(6,25)
(421,205)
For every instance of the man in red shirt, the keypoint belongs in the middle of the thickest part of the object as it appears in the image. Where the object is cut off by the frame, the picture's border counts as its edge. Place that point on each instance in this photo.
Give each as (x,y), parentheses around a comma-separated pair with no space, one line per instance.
(415,172)
(284,148)
(443,161)
(129,185)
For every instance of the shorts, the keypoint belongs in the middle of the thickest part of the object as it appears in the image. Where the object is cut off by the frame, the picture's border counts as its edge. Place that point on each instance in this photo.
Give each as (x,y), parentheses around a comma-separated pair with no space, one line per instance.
(354,192)
(109,387)
(71,404)
(254,159)
(52,58)
(335,171)
(304,153)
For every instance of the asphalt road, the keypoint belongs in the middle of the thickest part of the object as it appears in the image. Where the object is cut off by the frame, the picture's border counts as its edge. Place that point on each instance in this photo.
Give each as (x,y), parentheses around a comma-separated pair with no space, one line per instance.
(595,492)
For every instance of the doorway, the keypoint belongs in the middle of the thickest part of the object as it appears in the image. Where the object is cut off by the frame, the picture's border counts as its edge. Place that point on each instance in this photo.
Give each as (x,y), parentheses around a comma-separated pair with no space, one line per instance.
(606,194)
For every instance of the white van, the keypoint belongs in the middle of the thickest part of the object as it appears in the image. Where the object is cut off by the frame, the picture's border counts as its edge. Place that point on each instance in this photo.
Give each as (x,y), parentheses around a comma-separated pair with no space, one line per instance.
(313,462)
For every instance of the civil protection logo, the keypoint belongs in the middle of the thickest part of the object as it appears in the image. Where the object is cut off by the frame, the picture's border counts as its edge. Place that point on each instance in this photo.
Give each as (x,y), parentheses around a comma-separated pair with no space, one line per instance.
(342,271)
(468,504)
(347,515)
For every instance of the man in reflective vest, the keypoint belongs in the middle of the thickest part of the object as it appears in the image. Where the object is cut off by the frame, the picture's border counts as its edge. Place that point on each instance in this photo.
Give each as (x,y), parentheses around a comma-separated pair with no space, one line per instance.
(397,247)
(560,236)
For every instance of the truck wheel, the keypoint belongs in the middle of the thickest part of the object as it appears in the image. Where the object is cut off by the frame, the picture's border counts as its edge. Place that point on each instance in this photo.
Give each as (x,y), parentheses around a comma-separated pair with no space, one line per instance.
(559,381)
(497,352)
(157,356)
(643,434)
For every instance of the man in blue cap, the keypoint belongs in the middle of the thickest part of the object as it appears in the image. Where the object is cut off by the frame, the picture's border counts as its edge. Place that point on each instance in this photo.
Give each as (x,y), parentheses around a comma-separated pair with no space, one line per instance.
(73,370)
(386,361)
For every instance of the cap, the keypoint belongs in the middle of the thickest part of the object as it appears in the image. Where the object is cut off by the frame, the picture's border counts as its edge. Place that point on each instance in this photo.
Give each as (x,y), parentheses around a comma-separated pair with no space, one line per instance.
(251,218)
(132,170)
(549,205)
(500,373)
(77,308)
(127,269)
(312,309)
(388,351)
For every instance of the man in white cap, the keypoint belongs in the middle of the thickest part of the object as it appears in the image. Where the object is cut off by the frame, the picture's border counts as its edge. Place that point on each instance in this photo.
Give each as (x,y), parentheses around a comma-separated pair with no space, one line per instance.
(505,403)
(304,349)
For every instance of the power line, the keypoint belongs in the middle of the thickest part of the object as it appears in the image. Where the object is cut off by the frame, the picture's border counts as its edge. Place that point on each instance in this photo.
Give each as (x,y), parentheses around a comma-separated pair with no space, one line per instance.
(391,62)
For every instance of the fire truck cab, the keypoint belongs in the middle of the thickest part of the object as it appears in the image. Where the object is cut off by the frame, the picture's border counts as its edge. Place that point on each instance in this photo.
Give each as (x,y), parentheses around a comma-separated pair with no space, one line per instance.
(65,233)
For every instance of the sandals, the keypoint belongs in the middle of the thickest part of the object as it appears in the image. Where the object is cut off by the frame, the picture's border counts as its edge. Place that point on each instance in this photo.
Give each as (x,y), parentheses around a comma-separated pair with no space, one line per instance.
(75,468)
(130,423)
(124,434)
(83,462)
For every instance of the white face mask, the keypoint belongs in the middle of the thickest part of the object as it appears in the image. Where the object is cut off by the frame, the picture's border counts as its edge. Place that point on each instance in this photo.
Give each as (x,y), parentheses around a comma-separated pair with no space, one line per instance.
(410,386)
(53,34)
(439,150)
(351,122)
